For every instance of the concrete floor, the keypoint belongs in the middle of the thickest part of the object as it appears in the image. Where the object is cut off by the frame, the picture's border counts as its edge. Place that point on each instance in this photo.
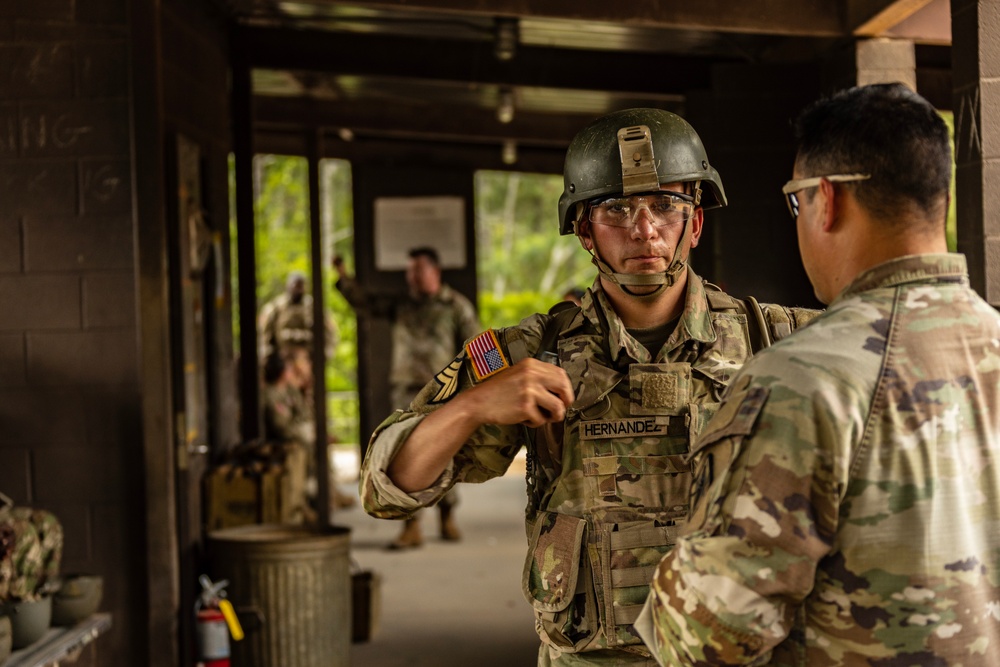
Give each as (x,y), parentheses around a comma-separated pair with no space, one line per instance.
(449,604)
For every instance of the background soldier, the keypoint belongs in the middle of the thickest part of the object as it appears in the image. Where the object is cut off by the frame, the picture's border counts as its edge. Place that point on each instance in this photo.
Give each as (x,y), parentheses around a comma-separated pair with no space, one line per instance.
(429,325)
(285,322)
(285,333)
(641,366)
(848,493)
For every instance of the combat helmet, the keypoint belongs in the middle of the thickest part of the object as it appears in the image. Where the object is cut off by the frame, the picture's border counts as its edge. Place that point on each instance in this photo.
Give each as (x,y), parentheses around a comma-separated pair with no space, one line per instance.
(629,152)
(600,163)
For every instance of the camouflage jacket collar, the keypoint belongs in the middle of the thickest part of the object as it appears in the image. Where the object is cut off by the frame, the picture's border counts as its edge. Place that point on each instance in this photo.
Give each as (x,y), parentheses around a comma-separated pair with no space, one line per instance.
(934,268)
(695,322)
(444,295)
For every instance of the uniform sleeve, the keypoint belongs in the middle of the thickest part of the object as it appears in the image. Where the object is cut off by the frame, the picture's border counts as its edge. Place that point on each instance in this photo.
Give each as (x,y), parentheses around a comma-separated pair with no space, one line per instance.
(265,329)
(379,496)
(366,302)
(782,320)
(353,293)
(487,454)
(278,417)
(764,512)
(332,336)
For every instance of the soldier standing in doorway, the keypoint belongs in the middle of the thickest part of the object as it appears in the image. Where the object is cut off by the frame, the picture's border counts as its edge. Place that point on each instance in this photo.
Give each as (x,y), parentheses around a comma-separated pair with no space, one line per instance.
(429,325)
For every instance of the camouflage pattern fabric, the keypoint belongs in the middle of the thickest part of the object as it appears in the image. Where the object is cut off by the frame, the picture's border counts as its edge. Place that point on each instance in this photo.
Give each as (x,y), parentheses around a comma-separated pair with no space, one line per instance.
(31,544)
(426,332)
(284,326)
(288,415)
(847,494)
(289,419)
(609,486)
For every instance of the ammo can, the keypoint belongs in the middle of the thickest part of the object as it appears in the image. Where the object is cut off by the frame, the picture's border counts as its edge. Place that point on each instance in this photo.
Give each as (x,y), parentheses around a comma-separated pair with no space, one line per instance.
(297,579)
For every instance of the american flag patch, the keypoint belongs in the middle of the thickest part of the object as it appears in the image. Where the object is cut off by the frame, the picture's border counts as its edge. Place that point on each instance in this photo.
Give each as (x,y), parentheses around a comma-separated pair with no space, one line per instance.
(485,354)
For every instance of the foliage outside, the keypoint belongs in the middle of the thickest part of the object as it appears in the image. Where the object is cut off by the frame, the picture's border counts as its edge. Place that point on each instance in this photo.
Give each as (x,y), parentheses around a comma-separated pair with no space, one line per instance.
(524,266)
(951,228)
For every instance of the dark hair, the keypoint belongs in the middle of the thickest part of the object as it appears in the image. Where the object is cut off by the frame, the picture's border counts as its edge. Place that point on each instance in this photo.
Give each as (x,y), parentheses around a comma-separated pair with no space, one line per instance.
(887,131)
(428,252)
(274,366)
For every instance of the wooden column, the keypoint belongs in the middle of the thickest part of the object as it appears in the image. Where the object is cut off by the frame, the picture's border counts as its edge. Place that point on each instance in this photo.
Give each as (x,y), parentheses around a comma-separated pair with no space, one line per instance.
(242,106)
(314,142)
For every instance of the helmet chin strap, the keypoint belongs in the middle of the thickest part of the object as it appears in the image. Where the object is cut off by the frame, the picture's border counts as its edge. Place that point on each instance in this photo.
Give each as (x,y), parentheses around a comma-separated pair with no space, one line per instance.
(625,280)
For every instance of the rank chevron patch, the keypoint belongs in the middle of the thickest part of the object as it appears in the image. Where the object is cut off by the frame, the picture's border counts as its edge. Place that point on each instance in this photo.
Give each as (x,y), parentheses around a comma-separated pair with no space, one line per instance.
(448,379)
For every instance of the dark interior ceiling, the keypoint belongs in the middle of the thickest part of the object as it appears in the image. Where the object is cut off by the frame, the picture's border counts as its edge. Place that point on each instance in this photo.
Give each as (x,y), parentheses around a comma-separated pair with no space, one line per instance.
(482,73)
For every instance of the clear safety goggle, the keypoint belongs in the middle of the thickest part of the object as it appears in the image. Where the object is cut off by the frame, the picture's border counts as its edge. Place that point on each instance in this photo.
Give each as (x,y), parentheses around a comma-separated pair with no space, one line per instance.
(792,188)
(663,208)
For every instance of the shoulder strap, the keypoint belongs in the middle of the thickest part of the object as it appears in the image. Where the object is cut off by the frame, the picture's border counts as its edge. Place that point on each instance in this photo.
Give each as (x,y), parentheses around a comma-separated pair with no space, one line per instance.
(562,315)
(757,329)
(760,333)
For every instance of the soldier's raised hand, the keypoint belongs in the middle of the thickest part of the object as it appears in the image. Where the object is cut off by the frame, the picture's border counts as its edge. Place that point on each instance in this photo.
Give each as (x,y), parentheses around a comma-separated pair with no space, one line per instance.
(530,392)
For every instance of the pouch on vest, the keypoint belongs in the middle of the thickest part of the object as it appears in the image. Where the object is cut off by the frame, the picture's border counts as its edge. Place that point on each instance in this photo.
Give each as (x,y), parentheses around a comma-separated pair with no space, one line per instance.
(552,582)
(629,553)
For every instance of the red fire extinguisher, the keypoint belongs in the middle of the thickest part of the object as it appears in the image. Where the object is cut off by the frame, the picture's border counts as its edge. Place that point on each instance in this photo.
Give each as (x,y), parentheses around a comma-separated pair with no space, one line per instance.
(215,621)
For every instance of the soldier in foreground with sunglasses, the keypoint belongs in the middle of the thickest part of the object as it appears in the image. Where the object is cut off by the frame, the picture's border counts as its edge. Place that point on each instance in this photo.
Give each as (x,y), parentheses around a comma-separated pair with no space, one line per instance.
(847,494)
(634,374)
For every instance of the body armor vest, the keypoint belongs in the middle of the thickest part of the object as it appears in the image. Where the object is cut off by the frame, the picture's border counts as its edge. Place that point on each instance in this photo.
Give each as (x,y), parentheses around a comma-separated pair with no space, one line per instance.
(609,498)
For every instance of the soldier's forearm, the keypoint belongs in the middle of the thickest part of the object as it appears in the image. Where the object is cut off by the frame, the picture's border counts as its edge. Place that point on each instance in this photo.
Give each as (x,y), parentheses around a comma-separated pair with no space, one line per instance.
(432,445)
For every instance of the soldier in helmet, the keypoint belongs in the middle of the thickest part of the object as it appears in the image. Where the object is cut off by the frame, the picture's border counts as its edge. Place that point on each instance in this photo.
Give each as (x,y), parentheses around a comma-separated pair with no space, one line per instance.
(633,375)
(285,322)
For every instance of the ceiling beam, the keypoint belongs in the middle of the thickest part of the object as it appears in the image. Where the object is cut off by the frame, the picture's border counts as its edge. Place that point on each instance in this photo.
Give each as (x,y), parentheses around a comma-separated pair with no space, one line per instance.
(424,122)
(816,18)
(415,152)
(473,62)
(872,18)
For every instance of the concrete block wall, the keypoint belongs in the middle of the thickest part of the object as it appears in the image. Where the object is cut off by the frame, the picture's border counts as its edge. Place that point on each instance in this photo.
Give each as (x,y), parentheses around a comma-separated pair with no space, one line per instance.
(976,77)
(69,392)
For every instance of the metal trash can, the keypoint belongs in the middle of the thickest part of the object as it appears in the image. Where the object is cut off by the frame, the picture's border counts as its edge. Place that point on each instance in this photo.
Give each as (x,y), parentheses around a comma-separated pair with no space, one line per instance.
(298,578)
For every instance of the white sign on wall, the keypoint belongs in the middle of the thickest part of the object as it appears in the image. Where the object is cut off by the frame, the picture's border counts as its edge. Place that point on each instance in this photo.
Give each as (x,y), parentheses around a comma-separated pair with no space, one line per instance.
(404,223)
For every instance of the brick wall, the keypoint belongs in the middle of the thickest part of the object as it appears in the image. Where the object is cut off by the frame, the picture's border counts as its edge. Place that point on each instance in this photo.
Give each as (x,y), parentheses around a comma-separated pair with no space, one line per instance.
(69,393)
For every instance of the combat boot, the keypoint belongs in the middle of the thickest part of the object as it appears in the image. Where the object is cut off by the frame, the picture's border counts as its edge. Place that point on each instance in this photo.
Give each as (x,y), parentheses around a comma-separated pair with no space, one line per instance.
(410,537)
(449,531)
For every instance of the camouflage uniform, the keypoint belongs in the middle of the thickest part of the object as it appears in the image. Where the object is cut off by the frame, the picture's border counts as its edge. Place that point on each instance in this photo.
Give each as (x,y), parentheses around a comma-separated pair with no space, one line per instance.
(31,544)
(847,494)
(425,336)
(426,333)
(607,487)
(284,326)
(288,416)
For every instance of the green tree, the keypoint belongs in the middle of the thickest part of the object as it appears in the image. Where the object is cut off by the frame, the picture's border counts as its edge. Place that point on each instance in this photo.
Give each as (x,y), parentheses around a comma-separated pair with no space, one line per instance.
(951,227)
(516,217)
